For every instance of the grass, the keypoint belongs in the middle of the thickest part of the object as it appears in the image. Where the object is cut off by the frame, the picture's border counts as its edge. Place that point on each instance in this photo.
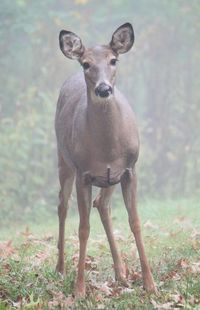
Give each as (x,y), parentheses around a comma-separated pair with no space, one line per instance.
(170,228)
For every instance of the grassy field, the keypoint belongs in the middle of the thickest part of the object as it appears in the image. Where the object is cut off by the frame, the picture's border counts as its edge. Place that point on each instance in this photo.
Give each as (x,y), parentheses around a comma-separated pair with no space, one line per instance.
(171,233)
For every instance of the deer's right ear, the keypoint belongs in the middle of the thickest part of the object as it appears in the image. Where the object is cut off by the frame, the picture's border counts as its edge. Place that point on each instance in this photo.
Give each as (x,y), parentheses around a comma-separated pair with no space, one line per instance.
(71,45)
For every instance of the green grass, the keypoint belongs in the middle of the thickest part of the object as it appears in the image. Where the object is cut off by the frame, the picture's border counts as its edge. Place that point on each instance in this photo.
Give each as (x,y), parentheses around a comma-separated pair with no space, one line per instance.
(27,266)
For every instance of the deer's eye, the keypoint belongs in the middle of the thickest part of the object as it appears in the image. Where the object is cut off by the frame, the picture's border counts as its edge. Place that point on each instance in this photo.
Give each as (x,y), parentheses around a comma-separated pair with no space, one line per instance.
(85,65)
(113,62)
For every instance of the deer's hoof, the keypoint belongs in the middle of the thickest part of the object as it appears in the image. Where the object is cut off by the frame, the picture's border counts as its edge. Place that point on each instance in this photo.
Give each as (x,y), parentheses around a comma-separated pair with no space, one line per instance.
(60,268)
(79,291)
(120,275)
(122,281)
(150,287)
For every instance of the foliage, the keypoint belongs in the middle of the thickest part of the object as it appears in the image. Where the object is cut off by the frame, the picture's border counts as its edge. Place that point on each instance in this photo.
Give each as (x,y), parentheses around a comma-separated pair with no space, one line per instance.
(161,75)
(26,152)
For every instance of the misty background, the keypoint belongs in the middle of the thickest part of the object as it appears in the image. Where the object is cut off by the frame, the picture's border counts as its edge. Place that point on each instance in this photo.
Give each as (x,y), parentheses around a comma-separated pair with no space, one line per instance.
(160,76)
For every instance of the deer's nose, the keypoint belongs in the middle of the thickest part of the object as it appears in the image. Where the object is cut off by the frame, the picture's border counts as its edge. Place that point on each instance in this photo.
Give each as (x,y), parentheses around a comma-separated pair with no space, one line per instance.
(103,90)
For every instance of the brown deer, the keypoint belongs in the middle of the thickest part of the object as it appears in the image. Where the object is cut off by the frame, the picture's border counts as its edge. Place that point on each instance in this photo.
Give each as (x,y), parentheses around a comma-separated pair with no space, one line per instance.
(98,144)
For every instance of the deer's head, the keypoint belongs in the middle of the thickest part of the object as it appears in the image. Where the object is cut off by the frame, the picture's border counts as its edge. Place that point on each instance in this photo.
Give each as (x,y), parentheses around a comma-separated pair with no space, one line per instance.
(99,62)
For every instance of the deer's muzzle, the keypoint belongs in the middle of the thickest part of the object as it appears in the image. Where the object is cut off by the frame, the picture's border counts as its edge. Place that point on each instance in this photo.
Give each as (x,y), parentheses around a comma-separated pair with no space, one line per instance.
(103,90)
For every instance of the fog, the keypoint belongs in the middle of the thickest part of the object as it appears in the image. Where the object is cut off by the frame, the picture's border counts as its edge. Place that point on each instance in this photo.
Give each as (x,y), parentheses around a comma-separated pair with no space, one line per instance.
(160,76)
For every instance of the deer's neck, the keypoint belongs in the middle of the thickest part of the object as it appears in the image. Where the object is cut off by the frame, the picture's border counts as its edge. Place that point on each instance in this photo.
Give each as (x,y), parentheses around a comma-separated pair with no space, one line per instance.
(104,120)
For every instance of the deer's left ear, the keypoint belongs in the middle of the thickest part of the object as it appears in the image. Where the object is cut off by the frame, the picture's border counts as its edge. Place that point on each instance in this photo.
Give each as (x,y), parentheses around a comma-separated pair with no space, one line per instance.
(122,39)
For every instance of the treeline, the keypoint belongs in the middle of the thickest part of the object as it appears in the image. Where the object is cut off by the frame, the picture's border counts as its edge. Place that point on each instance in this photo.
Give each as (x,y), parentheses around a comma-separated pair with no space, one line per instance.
(160,76)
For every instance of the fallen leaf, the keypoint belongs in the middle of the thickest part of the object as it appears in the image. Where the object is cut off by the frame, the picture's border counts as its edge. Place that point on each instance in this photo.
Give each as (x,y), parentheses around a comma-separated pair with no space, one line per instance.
(61,301)
(26,233)
(184,222)
(179,299)
(41,256)
(75,258)
(195,239)
(105,289)
(183,263)
(195,267)
(149,224)
(173,274)
(168,305)
(175,233)
(99,298)
(134,275)
(90,263)
(5,268)
(127,290)
(6,249)
(48,238)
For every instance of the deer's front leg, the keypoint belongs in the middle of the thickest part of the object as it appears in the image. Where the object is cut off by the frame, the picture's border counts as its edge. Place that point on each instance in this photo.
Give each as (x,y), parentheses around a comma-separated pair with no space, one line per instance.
(129,187)
(84,196)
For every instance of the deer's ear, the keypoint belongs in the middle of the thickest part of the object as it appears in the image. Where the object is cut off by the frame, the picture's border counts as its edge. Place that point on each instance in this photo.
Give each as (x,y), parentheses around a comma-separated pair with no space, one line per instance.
(122,39)
(71,45)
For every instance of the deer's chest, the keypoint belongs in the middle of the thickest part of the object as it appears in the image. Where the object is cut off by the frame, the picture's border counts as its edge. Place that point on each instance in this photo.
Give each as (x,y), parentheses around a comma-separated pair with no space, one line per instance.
(103,151)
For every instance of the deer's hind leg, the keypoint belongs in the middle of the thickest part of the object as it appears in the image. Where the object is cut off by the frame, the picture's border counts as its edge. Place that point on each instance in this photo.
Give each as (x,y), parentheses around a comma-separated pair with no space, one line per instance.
(102,203)
(66,177)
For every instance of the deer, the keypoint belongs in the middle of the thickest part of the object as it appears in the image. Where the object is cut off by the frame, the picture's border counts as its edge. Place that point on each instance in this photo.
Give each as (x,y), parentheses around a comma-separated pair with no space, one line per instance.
(97,145)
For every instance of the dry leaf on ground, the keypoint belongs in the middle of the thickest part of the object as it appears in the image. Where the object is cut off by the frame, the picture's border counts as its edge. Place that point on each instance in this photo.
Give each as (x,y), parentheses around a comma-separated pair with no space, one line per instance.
(165,306)
(6,249)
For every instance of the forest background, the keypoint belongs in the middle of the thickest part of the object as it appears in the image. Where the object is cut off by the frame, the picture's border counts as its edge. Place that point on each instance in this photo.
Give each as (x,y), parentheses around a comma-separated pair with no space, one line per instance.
(160,76)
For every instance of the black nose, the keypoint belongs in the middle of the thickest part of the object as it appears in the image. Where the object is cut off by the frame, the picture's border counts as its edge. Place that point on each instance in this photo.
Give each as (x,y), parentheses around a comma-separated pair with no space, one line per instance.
(103,90)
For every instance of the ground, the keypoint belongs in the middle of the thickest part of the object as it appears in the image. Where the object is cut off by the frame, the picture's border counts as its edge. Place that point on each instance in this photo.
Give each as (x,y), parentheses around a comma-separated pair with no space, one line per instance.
(172,238)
